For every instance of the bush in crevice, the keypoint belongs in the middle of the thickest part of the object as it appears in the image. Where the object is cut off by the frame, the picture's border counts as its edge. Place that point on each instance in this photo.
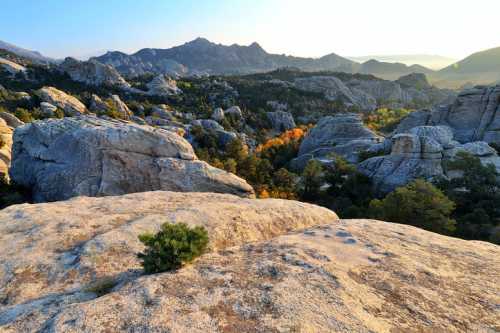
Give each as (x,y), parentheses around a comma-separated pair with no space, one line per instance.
(172,247)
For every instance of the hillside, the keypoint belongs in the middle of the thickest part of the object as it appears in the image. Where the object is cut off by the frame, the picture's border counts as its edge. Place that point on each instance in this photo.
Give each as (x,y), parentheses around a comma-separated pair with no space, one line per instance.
(479,68)
(434,62)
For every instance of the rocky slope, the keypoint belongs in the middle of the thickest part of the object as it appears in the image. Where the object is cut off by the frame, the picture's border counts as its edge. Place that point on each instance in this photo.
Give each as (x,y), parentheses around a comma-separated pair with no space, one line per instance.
(338,276)
(344,135)
(86,155)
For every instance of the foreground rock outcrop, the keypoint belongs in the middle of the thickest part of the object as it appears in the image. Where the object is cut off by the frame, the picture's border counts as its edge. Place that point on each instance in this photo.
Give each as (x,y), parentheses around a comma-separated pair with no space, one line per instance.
(338,276)
(86,155)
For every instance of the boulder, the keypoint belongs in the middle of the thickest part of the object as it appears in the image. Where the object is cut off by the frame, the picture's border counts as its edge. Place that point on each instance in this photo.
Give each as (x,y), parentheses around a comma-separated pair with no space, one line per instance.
(48,110)
(163,112)
(85,155)
(342,134)
(10,119)
(93,73)
(214,128)
(69,104)
(234,111)
(218,114)
(163,85)
(97,105)
(262,273)
(121,107)
(5,147)
(281,120)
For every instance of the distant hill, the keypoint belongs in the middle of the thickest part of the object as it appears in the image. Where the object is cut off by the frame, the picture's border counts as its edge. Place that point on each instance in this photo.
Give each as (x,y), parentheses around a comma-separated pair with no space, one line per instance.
(391,71)
(203,56)
(34,56)
(434,62)
(479,68)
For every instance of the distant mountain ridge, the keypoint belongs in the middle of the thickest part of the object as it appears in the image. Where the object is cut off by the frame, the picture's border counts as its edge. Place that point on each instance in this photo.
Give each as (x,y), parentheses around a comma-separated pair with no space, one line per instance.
(203,56)
(434,62)
(34,56)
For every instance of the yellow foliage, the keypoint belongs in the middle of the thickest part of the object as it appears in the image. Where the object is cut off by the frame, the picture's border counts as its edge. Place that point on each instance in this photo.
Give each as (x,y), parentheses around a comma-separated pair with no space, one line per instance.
(284,138)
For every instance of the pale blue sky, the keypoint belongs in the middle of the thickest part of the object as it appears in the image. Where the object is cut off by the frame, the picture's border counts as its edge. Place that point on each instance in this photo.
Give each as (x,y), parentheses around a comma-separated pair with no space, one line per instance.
(60,28)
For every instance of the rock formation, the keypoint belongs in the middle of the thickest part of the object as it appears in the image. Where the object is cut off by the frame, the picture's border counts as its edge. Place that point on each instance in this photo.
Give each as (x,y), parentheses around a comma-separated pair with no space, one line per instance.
(162,85)
(473,116)
(343,135)
(5,147)
(218,114)
(85,155)
(281,120)
(69,104)
(10,119)
(421,153)
(82,274)
(93,73)
(234,111)
(11,67)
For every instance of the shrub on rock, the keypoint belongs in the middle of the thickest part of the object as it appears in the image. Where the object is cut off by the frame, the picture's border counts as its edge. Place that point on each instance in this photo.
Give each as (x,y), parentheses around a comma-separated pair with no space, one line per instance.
(173,246)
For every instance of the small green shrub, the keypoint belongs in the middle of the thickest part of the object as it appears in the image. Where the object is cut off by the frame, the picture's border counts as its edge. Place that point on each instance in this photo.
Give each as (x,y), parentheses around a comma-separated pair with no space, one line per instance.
(173,246)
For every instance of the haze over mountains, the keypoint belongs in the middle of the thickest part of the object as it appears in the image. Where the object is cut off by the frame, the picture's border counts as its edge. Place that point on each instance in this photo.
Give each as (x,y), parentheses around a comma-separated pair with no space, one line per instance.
(202,56)
(434,62)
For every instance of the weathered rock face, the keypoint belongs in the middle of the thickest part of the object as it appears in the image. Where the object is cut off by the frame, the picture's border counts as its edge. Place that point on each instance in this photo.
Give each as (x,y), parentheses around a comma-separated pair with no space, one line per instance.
(5,147)
(60,159)
(162,85)
(213,127)
(366,94)
(473,116)
(420,153)
(344,275)
(343,135)
(121,107)
(93,73)
(68,103)
(100,240)
(281,120)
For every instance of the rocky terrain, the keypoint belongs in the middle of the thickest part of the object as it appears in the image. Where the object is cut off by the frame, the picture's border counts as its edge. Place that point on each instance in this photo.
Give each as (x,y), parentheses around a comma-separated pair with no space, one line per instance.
(60,159)
(264,271)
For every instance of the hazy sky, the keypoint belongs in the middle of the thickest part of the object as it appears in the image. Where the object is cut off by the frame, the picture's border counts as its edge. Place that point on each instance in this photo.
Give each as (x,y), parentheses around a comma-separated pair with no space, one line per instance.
(80,28)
